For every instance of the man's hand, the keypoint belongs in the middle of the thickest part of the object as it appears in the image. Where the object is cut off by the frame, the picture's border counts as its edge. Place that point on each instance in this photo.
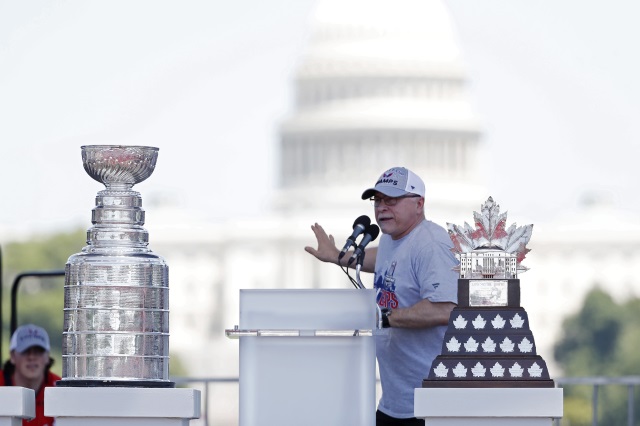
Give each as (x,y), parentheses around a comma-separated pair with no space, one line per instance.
(327,250)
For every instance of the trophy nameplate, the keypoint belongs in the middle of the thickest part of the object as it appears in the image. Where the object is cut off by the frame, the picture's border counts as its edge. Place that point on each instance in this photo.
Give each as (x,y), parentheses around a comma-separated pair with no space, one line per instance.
(488,292)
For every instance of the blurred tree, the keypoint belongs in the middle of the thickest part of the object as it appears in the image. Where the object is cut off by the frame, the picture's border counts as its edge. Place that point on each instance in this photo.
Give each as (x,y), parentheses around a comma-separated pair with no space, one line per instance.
(602,339)
(41,300)
(42,252)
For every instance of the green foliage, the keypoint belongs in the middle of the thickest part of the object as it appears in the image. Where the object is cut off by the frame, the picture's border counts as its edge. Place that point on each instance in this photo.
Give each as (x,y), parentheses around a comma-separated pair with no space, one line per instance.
(176,367)
(41,253)
(600,340)
(590,336)
(39,300)
(577,411)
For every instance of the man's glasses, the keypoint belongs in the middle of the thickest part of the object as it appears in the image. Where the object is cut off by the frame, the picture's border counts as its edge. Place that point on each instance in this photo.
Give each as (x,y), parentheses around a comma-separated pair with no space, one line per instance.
(390,201)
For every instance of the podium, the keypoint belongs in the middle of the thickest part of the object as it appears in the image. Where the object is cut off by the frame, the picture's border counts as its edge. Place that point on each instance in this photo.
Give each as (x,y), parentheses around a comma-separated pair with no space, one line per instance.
(115,406)
(306,357)
(488,406)
(16,403)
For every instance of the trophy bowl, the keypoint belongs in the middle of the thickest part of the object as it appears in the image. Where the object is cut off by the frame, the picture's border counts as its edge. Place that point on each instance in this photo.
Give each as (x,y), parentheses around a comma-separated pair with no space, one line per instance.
(119,165)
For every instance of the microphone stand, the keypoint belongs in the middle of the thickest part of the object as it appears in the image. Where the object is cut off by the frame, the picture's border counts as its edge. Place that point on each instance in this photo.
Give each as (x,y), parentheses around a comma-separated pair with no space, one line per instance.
(360,285)
(379,310)
(358,280)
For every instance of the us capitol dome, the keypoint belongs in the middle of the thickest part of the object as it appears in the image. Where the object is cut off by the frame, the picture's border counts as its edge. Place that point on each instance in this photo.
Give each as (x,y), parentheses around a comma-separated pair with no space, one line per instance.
(380,84)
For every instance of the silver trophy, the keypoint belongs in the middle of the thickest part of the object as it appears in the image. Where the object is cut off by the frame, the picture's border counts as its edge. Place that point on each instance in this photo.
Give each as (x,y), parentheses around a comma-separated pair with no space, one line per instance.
(488,342)
(116,300)
(490,256)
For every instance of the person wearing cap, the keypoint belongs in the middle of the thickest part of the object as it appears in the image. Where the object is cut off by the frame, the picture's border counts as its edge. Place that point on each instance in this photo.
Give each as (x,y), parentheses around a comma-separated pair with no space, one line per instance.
(29,366)
(417,288)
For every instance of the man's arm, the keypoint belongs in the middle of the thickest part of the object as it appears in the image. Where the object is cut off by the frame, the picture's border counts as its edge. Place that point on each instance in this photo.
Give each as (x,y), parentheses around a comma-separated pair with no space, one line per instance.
(328,252)
(421,315)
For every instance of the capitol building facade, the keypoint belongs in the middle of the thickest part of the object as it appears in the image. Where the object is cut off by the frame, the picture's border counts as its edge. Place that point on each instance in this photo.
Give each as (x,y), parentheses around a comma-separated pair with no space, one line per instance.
(380,84)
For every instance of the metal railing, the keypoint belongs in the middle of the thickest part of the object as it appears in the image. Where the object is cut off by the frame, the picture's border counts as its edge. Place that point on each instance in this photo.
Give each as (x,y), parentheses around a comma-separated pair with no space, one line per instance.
(631,382)
(597,383)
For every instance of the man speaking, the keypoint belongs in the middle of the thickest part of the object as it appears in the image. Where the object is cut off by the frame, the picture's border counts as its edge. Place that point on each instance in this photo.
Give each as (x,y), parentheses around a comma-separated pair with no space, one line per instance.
(417,288)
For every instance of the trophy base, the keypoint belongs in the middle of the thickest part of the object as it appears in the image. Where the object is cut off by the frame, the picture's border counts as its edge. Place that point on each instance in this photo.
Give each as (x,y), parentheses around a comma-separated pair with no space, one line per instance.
(426,383)
(114,384)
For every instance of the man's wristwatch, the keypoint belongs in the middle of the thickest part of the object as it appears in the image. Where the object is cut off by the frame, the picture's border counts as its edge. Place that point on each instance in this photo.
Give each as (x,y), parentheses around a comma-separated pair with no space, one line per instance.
(386,313)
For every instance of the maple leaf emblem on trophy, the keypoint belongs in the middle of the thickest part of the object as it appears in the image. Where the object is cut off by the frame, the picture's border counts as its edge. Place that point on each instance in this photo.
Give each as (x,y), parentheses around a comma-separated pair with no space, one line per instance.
(490,250)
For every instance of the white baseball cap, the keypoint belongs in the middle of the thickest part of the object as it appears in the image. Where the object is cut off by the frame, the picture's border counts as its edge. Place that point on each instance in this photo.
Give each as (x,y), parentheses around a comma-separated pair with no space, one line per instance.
(396,182)
(27,336)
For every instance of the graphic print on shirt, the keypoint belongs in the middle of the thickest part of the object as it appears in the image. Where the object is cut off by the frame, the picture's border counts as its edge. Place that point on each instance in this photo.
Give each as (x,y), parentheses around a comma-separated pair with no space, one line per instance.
(386,286)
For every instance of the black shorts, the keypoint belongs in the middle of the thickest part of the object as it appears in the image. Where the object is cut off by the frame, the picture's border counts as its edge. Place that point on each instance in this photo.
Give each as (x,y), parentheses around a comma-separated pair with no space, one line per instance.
(384,420)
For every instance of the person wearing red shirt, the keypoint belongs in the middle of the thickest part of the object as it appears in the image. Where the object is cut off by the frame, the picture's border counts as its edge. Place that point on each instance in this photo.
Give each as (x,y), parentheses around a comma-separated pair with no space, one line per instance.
(29,367)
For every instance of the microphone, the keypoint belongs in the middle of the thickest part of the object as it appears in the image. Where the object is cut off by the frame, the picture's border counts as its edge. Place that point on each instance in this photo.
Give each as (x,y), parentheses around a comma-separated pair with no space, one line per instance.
(359,227)
(371,234)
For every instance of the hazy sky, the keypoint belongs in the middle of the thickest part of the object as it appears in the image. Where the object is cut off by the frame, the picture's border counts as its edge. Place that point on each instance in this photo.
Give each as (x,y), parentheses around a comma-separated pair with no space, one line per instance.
(555,84)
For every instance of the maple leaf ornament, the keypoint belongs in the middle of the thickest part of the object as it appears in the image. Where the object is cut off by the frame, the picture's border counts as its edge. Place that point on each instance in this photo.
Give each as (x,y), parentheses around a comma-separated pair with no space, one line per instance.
(488,250)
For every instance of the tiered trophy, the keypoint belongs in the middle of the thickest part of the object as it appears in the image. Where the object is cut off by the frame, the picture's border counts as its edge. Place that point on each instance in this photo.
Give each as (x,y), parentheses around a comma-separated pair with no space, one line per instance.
(488,342)
(116,302)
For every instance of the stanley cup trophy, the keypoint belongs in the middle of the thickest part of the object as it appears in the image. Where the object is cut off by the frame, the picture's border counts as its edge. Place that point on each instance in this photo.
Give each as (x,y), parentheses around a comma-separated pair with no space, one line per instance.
(116,294)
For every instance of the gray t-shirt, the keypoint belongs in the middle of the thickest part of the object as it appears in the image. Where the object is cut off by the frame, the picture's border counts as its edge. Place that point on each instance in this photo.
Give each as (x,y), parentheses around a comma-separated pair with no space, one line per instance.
(410,269)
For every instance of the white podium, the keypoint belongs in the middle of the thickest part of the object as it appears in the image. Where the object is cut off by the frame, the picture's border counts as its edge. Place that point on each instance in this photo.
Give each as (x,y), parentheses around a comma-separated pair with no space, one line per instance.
(488,406)
(307,357)
(16,403)
(112,406)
